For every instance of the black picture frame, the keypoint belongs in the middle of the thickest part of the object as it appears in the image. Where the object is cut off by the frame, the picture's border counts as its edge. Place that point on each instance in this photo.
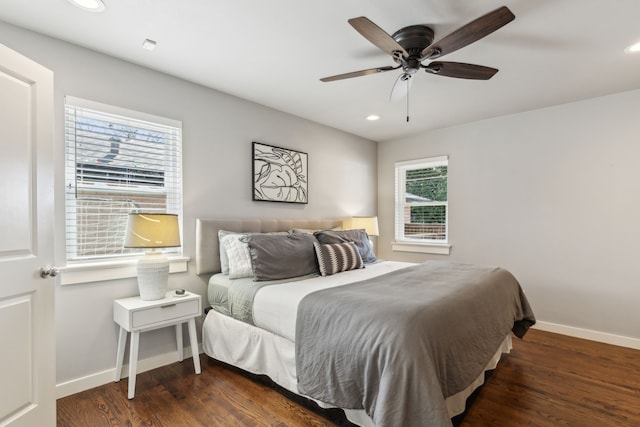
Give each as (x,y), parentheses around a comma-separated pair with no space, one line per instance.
(279,174)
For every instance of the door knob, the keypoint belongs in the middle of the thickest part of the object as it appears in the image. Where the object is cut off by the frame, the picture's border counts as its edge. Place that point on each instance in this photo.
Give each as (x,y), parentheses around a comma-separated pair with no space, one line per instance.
(48,271)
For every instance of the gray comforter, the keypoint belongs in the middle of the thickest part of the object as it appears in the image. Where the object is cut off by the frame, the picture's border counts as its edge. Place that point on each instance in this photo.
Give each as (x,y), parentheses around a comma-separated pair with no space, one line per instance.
(397,345)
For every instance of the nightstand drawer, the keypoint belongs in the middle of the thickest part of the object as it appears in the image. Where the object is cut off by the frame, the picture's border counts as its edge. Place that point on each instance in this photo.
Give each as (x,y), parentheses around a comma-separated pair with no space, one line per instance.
(165,312)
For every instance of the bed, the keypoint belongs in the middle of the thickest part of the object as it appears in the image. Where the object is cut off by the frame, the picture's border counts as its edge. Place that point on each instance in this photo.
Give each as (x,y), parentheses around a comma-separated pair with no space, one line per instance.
(339,330)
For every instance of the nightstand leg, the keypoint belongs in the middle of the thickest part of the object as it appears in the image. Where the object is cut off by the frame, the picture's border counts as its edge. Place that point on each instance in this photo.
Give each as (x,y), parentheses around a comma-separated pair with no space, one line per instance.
(133,362)
(193,340)
(122,343)
(179,342)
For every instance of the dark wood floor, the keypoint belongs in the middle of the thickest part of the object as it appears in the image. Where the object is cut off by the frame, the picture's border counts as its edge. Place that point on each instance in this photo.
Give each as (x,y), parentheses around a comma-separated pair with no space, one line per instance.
(547,380)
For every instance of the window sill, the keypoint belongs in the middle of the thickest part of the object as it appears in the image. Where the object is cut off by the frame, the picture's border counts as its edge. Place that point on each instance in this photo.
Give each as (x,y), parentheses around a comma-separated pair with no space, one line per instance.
(425,248)
(112,270)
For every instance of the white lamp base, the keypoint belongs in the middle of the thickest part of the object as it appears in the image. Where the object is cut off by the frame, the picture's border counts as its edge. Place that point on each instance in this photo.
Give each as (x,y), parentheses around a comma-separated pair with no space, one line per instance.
(153,276)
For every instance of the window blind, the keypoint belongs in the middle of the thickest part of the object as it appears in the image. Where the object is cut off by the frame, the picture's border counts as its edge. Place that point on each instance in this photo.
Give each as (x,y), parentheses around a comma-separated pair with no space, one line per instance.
(117,161)
(421,200)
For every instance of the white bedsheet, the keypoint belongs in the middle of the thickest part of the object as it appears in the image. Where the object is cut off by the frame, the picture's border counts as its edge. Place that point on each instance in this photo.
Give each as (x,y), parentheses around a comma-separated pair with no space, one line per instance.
(275,307)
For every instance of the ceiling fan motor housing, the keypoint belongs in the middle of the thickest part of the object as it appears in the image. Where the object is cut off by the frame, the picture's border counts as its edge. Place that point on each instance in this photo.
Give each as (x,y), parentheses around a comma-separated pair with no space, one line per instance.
(413,39)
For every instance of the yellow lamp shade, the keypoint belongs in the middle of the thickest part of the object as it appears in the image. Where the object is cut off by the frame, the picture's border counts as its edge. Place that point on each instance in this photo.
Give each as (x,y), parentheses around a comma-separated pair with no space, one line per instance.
(152,230)
(369,223)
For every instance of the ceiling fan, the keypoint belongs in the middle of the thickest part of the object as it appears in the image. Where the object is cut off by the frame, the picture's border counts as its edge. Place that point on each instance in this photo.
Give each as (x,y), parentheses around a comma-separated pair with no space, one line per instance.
(409,47)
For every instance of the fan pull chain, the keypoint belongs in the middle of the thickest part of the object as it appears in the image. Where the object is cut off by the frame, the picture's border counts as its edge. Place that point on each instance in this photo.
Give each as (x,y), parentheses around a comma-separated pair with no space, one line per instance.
(407,100)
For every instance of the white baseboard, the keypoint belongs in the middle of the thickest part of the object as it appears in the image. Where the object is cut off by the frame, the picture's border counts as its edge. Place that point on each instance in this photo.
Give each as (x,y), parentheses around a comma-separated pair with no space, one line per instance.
(100,378)
(587,334)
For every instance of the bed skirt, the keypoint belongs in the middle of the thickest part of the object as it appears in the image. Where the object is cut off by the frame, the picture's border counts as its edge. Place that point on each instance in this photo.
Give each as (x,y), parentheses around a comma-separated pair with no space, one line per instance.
(261,352)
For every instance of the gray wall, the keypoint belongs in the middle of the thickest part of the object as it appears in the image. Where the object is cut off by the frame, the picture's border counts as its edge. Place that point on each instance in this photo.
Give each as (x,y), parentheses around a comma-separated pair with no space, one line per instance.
(217,133)
(553,195)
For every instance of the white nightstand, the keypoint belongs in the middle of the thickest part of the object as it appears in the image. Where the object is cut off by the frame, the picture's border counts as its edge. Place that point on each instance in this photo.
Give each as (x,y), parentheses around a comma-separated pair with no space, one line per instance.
(135,315)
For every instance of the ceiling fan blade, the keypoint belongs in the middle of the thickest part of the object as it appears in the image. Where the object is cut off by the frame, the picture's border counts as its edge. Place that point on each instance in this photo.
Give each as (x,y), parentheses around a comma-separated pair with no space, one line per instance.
(469,33)
(358,73)
(401,87)
(460,70)
(377,36)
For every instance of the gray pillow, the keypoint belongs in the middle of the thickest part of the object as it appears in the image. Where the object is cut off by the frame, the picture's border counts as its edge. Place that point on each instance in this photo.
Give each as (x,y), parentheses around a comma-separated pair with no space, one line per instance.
(310,230)
(224,257)
(277,257)
(359,237)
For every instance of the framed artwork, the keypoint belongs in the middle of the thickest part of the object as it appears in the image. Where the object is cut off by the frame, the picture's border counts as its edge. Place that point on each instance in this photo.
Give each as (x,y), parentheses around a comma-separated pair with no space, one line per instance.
(279,174)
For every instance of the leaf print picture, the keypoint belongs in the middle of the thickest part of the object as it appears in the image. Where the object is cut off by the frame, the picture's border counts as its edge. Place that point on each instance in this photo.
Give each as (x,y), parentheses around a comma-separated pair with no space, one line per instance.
(279,174)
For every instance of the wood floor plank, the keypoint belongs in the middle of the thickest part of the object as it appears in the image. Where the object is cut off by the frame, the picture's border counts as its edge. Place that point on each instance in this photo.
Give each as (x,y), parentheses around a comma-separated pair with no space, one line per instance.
(554,380)
(548,380)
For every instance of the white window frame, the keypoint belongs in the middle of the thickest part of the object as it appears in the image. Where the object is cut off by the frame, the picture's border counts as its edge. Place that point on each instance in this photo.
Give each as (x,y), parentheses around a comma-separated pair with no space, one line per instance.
(403,243)
(100,268)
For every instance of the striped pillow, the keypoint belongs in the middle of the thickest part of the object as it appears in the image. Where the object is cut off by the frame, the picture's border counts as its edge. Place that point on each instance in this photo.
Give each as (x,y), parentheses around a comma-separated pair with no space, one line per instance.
(336,257)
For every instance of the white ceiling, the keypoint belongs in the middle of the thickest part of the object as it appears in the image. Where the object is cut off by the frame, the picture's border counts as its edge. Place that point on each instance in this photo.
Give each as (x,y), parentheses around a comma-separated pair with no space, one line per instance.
(274,52)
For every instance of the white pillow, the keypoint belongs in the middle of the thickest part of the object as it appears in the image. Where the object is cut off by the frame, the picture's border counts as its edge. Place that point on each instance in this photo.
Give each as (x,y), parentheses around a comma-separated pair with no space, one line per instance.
(224,258)
(239,256)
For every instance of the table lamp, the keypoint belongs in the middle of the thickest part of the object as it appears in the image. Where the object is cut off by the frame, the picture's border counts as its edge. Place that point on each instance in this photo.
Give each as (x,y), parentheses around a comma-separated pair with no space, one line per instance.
(152,231)
(369,223)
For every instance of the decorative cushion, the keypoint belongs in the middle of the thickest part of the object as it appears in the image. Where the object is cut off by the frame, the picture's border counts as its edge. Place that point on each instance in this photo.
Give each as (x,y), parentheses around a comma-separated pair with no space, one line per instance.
(238,255)
(277,257)
(359,237)
(337,257)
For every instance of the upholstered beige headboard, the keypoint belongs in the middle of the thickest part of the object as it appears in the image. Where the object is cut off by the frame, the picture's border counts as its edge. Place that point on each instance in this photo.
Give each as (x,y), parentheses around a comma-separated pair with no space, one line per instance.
(208,249)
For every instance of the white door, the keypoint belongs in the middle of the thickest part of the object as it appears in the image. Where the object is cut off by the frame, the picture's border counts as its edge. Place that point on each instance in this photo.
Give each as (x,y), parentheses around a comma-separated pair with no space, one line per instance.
(27,333)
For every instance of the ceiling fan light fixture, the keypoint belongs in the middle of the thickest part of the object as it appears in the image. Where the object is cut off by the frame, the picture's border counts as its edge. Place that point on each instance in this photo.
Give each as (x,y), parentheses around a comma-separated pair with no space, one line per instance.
(89,5)
(634,48)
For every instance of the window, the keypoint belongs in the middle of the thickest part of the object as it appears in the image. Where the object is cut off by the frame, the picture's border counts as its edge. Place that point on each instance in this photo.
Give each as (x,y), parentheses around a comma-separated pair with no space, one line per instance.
(421,202)
(116,162)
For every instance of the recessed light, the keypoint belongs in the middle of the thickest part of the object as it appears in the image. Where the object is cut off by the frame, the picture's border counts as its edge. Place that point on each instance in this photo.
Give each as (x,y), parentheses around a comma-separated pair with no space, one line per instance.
(89,5)
(149,44)
(373,117)
(633,48)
